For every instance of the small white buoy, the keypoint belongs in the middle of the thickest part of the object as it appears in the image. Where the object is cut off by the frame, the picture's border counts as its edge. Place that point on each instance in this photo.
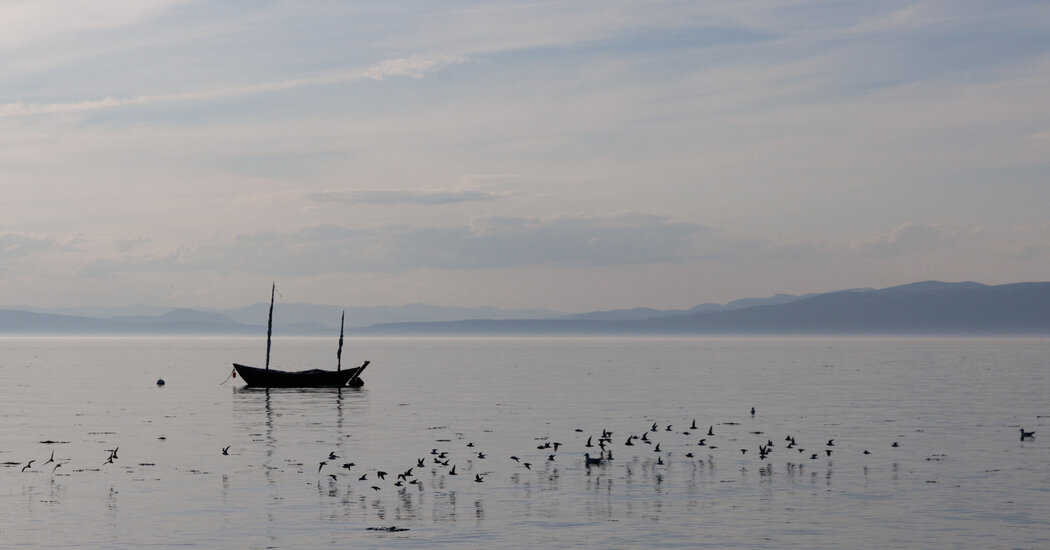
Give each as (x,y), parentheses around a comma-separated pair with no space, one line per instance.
(160,381)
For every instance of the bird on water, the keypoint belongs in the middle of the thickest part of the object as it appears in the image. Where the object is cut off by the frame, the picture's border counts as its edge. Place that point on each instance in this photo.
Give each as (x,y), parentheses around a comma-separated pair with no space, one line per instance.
(1027,435)
(588,461)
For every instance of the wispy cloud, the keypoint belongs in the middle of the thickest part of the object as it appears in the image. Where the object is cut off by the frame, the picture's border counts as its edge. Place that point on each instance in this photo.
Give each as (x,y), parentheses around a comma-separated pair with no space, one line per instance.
(14,244)
(909,238)
(415,66)
(488,242)
(384,196)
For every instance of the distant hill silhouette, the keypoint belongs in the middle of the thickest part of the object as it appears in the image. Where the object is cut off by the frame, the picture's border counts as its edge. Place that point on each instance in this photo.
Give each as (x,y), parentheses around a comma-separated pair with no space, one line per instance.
(924,308)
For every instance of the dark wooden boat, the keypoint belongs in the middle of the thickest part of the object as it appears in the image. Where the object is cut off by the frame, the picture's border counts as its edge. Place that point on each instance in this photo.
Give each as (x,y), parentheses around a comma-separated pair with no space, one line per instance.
(313,378)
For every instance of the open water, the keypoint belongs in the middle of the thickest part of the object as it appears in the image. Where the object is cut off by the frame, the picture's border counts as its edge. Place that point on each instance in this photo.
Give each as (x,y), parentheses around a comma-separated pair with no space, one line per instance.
(960,476)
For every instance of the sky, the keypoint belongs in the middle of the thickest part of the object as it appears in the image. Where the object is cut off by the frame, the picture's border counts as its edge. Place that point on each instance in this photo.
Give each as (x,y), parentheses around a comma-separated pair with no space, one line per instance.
(574,156)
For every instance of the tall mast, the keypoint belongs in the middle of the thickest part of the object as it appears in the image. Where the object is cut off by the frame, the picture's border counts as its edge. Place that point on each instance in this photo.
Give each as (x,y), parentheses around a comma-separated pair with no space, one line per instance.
(339,354)
(269,326)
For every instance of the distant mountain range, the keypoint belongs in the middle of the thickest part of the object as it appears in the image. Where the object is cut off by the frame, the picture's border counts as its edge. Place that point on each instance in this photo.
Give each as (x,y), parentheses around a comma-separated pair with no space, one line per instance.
(925,308)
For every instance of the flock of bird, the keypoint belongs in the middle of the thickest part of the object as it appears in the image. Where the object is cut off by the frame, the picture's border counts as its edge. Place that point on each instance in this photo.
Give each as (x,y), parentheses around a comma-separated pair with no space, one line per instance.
(661,440)
(441,460)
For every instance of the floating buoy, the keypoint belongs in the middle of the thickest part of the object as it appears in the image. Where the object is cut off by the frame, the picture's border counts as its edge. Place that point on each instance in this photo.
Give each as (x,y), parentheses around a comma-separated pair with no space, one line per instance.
(160,381)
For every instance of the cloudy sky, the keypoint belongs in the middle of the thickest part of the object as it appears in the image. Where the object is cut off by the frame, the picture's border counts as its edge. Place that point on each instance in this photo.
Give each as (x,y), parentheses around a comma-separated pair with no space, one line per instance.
(567,155)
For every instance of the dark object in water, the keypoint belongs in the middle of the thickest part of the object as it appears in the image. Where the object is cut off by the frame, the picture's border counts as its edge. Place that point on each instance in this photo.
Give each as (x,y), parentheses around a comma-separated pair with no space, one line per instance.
(160,381)
(391,529)
(313,378)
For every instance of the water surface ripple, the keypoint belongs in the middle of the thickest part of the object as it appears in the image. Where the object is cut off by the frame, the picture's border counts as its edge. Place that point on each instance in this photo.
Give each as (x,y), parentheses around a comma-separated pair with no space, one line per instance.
(960,476)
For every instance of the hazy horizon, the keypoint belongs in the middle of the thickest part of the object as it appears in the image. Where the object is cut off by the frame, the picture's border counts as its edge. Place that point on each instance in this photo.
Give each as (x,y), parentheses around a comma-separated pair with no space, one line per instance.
(574,156)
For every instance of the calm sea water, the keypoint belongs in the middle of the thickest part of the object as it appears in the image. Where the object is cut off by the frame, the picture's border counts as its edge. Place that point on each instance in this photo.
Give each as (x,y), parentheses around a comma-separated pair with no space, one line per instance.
(959,477)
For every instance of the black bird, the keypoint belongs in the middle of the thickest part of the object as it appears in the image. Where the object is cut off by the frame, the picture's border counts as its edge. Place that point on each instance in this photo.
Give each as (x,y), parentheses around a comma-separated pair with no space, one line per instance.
(702,442)
(420,464)
(363,477)
(813,456)
(1024,435)
(608,455)
(321,465)
(866,452)
(348,465)
(551,457)
(668,428)
(333,477)
(629,442)
(57,466)
(332,455)
(752,411)
(28,464)
(828,451)
(657,448)
(743,451)
(527,465)
(831,443)
(470,444)
(452,472)
(589,442)
(654,426)
(660,460)
(588,461)
(226,450)
(693,425)
(477,478)
(374,488)
(52,459)
(481,455)
(895,444)
(710,431)
(689,455)
(381,474)
(645,437)
(556,445)
(515,459)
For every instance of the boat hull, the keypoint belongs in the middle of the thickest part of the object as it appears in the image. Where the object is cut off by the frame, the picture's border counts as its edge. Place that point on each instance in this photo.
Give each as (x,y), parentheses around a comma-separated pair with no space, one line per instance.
(314,378)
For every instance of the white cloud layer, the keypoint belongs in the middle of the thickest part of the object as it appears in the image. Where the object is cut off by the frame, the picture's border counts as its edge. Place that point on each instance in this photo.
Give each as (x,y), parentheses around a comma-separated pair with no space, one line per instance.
(584,154)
